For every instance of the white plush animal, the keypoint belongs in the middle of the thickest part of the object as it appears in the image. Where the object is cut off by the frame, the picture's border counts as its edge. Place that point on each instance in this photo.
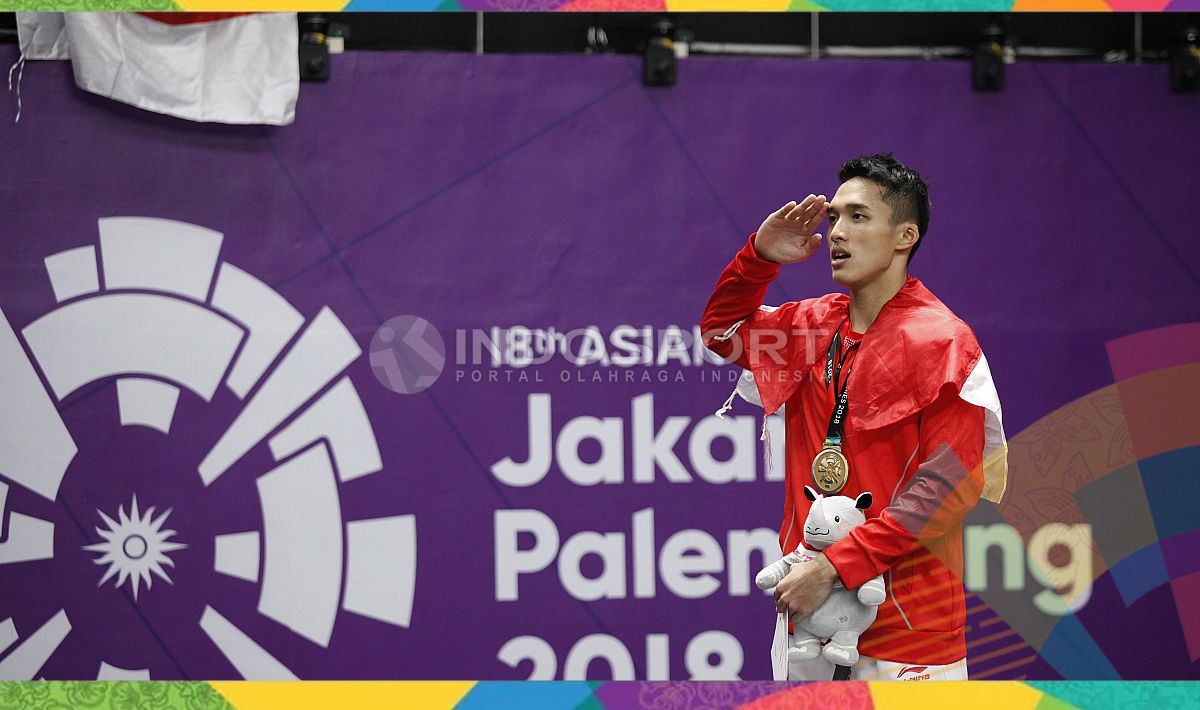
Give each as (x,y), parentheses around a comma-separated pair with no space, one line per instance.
(845,614)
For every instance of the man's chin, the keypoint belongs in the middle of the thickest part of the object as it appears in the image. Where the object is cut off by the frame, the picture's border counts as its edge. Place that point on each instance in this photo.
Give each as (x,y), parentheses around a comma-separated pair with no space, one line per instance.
(841,278)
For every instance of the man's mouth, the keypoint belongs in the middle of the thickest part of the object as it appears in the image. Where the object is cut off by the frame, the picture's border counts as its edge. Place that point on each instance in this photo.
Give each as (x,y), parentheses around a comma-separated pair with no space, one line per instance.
(837,255)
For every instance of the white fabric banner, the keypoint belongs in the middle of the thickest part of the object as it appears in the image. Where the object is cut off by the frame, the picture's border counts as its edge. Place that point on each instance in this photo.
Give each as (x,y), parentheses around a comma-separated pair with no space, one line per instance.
(43,35)
(235,70)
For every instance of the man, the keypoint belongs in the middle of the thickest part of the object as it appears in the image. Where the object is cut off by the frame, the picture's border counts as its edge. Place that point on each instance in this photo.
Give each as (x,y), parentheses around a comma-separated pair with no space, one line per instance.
(887,391)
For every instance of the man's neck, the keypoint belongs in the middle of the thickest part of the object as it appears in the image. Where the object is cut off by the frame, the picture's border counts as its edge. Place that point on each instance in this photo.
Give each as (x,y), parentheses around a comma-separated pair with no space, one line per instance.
(867,301)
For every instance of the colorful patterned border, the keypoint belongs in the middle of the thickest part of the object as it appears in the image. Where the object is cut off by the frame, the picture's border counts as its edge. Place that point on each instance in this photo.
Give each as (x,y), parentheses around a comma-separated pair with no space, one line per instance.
(611,5)
(469,695)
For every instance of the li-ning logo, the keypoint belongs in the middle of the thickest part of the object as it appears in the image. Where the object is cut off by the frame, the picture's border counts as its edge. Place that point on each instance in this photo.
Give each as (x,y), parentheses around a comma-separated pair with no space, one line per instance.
(155,310)
(918,671)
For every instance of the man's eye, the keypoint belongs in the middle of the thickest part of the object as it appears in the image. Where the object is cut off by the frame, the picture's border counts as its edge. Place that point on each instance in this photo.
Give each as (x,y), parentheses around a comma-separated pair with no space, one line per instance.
(858,215)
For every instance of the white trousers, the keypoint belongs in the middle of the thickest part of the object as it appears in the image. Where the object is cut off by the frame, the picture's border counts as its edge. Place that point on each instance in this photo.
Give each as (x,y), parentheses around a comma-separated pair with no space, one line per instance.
(875,670)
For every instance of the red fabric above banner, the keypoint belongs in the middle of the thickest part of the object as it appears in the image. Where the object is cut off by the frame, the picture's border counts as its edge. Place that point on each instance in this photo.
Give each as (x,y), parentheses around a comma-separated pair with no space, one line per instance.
(190,18)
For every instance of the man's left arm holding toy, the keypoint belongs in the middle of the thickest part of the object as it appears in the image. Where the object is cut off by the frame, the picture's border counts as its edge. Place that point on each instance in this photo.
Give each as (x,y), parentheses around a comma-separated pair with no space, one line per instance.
(944,488)
(931,506)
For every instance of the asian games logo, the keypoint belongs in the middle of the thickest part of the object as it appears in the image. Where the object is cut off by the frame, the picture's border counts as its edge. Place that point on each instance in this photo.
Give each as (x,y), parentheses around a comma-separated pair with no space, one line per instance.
(200,530)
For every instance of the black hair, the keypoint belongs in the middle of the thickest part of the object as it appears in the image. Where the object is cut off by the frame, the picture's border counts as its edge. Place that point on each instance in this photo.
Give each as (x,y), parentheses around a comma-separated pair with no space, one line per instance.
(903,189)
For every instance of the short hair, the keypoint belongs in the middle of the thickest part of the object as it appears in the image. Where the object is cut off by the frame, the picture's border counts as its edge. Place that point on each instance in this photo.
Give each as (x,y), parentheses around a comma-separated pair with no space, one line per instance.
(903,189)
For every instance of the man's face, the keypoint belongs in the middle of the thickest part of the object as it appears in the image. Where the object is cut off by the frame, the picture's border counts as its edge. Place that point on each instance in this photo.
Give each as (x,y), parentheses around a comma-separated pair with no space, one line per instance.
(862,239)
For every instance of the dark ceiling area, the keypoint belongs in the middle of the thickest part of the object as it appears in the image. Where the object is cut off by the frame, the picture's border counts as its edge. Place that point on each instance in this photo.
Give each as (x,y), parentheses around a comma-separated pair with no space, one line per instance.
(1113,37)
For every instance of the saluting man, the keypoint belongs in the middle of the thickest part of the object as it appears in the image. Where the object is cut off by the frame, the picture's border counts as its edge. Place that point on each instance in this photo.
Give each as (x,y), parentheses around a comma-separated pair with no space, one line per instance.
(887,392)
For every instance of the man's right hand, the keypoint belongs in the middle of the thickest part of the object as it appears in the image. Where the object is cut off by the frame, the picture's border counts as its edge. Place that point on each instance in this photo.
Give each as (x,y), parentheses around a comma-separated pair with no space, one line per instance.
(786,237)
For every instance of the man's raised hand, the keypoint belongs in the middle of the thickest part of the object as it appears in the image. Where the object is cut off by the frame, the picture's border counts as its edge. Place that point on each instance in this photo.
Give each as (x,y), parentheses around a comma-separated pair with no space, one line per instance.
(786,237)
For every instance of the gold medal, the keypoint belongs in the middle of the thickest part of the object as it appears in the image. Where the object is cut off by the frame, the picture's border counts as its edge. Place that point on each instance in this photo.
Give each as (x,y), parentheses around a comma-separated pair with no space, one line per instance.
(830,469)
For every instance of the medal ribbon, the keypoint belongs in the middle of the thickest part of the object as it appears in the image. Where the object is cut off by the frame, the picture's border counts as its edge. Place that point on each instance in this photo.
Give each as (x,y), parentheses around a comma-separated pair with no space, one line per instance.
(834,360)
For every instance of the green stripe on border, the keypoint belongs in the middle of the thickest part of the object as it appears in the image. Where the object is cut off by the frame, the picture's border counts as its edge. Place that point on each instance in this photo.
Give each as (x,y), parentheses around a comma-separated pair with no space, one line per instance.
(1049,702)
(111,695)
(89,5)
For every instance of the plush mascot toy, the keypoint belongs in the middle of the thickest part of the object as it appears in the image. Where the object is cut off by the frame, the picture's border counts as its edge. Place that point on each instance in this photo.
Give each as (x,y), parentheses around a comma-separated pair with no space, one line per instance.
(846,613)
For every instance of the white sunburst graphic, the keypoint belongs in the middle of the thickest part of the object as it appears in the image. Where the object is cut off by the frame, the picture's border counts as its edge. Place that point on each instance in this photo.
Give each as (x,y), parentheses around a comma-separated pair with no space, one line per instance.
(134,547)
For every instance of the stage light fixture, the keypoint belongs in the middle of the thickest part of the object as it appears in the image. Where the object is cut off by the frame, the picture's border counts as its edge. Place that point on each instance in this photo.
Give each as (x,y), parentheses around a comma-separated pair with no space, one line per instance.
(987,61)
(314,50)
(660,66)
(597,40)
(1185,63)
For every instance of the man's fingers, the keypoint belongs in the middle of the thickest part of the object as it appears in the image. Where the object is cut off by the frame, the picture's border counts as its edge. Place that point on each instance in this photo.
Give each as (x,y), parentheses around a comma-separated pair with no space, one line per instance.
(812,208)
(799,210)
(817,210)
(812,203)
(813,222)
(780,605)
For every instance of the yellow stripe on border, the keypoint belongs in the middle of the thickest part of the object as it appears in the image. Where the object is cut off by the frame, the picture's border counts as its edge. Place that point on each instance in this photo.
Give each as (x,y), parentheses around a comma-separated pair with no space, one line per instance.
(321,695)
(973,694)
(726,5)
(1061,6)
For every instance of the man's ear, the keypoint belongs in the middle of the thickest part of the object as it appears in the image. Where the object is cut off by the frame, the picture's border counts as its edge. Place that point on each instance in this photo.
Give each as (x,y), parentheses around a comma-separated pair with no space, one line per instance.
(863,501)
(810,494)
(909,236)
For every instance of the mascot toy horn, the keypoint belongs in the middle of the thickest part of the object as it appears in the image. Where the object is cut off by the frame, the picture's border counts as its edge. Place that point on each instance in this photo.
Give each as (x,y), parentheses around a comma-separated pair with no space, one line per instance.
(845,614)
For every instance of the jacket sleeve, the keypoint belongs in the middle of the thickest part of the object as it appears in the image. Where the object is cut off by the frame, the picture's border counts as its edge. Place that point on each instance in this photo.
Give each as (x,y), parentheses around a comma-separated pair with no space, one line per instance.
(733,314)
(944,488)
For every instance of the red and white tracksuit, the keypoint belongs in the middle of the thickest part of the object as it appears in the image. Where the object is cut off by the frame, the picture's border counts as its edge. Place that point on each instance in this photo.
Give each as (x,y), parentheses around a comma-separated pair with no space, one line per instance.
(911,438)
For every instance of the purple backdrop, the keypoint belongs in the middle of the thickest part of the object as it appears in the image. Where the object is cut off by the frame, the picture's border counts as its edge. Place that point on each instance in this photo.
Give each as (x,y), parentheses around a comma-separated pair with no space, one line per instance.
(557,192)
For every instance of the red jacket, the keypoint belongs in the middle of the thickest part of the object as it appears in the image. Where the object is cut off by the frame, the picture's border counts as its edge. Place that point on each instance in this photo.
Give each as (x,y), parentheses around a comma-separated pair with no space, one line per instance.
(911,441)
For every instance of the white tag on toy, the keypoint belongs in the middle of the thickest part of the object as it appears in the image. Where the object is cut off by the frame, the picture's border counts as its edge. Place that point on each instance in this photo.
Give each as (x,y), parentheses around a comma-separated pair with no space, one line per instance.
(779,649)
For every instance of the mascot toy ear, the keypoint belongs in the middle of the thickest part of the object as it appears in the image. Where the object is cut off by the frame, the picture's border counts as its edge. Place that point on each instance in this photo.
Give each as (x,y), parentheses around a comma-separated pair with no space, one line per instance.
(810,494)
(863,501)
